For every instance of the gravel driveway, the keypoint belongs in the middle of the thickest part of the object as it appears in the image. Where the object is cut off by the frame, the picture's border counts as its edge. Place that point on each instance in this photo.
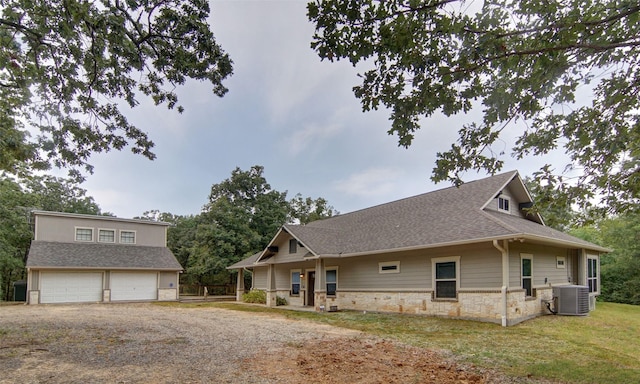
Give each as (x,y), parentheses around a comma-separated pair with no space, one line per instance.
(142,343)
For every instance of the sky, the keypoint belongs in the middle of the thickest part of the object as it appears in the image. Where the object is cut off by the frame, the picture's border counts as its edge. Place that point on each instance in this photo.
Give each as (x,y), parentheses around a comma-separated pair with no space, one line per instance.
(285,110)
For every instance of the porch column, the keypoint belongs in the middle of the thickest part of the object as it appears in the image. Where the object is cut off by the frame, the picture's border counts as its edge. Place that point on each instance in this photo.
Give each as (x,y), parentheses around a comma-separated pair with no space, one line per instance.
(320,288)
(240,284)
(271,286)
(582,267)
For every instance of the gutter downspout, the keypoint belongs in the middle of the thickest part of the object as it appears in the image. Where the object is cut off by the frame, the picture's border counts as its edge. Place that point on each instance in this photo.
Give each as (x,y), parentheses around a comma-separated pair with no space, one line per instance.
(505,279)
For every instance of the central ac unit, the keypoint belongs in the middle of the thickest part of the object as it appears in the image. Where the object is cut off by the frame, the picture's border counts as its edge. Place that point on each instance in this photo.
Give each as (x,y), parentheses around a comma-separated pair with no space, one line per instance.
(571,300)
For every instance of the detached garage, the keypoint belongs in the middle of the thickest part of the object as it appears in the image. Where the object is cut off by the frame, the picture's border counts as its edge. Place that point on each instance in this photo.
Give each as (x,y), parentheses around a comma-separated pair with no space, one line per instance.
(86,259)
(84,273)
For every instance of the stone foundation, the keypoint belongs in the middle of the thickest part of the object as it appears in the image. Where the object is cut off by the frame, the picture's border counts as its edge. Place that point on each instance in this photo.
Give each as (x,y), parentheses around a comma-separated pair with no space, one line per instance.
(106,295)
(167,294)
(34,297)
(483,305)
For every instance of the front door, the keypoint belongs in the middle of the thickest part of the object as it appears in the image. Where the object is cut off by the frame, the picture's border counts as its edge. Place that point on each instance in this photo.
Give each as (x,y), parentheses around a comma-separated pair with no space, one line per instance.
(311,284)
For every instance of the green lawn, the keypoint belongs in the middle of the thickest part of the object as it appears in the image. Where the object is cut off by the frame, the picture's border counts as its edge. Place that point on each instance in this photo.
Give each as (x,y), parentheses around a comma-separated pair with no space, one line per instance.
(603,347)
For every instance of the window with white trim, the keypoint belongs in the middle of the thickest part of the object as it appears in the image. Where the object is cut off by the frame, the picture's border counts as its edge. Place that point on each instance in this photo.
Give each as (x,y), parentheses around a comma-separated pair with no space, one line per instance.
(592,274)
(503,204)
(446,273)
(332,281)
(128,237)
(106,236)
(295,282)
(389,267)
(526,271)
(84,234)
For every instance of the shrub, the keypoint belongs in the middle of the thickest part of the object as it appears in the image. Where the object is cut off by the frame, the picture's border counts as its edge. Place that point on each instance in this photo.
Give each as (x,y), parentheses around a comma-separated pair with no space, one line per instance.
(255,296)
(281,301)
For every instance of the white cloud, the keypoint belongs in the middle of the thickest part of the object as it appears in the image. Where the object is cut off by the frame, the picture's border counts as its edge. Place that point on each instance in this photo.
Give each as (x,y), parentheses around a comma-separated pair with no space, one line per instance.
(304,139)
(370,183)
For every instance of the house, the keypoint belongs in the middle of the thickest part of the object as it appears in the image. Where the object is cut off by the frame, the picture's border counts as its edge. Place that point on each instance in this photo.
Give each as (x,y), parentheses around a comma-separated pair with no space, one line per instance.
(85,258)
(465,252)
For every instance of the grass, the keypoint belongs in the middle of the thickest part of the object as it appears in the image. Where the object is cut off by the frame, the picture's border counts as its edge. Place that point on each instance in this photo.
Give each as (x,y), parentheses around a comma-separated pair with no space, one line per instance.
(603,347)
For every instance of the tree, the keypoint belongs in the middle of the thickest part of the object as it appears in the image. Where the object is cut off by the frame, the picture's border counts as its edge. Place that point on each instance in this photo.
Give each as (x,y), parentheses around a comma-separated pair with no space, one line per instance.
(70,69)
(620,269)
(306,210)
(241,217)
(181,235)
(15,233)
(526,62)
(58,194)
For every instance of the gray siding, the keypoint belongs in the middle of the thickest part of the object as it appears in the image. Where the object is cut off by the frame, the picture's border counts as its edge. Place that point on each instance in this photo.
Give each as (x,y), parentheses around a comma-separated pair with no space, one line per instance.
(62,229)
(544,264)
(480,267)
(260,278)
(363,272)
(283,279)
(283,255)
(168,280)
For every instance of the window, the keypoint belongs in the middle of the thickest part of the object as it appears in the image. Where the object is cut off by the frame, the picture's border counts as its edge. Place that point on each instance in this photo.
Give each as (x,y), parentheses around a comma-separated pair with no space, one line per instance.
(332,281)
(128,237)
(560,262)
(389,267)
(592,274)
(527,273)
(84,234)
(445,277)
(503,204)
(106,235)
(293,246)
(295,283)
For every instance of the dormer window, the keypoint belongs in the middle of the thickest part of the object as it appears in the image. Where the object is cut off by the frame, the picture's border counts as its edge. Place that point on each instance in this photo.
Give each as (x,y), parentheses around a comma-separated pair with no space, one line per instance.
(503,204)
(293,246)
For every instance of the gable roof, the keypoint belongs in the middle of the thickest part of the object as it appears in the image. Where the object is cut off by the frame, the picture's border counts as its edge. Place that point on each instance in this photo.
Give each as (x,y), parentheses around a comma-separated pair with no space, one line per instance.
(449,216)
(49,254)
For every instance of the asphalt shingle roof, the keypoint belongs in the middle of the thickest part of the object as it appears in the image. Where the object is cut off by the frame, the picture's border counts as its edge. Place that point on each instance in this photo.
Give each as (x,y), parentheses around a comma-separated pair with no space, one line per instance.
(48,254)
(447,216)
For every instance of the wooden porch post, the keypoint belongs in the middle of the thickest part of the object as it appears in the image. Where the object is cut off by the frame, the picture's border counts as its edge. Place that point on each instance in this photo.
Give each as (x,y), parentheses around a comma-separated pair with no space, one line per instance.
(320,288)
(240,284)
(271,286)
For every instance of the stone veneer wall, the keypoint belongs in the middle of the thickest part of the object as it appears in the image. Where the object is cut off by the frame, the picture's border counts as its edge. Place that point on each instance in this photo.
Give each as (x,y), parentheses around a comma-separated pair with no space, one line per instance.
(167,294)
(34,297)
(484,305)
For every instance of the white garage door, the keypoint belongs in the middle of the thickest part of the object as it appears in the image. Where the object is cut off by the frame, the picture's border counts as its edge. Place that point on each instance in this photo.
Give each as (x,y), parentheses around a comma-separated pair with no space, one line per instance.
(70,287)
(134,286)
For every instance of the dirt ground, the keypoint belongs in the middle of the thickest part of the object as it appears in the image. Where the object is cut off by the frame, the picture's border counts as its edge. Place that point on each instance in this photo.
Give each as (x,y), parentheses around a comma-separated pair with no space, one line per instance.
(145,343)
(357,360)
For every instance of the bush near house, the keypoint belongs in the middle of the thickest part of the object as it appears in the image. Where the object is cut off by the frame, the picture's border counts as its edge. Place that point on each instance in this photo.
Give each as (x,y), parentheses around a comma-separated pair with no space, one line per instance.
(255,296)
(260,297)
